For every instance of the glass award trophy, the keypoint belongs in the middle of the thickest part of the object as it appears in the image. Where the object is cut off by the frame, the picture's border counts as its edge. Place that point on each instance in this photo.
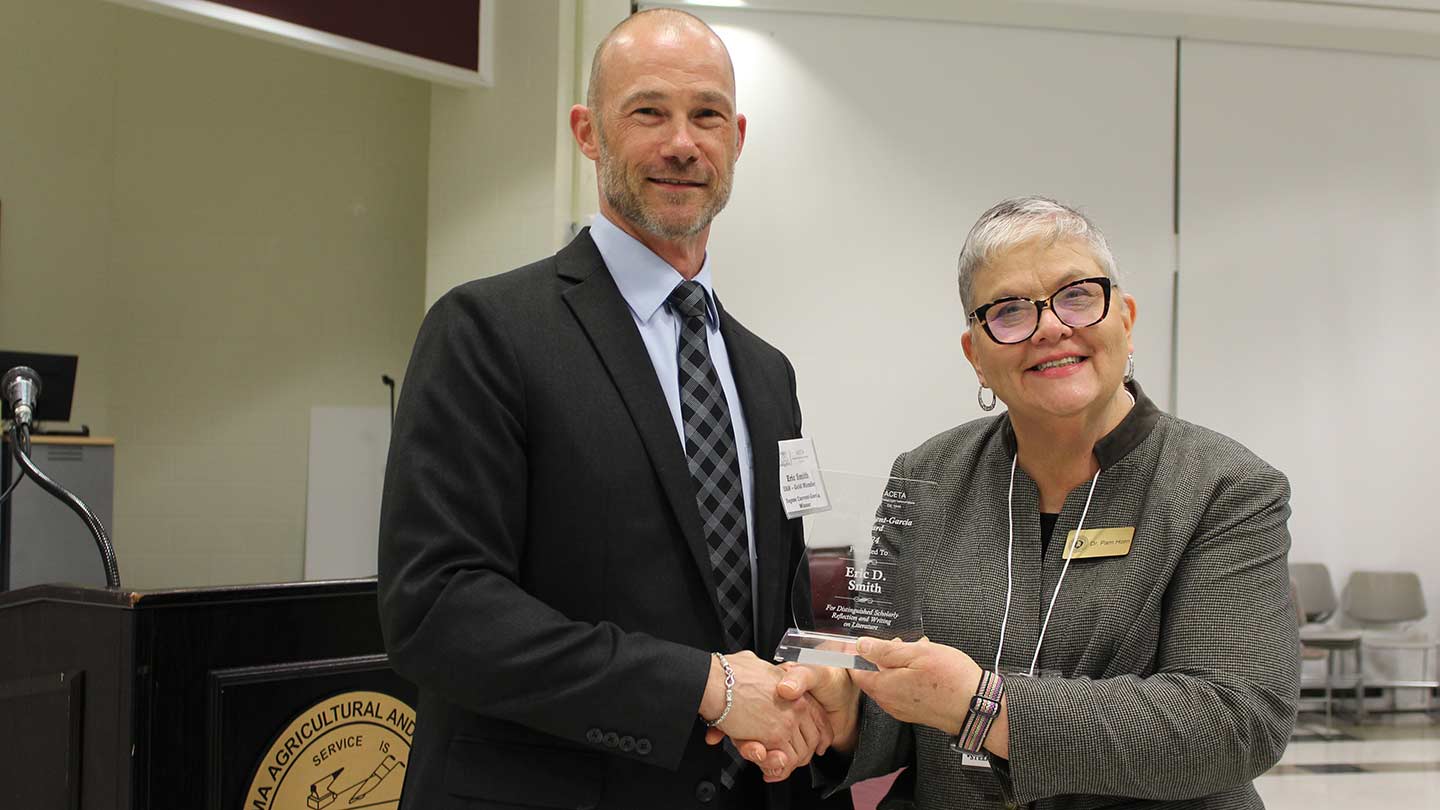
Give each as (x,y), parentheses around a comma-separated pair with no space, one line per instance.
(861,567)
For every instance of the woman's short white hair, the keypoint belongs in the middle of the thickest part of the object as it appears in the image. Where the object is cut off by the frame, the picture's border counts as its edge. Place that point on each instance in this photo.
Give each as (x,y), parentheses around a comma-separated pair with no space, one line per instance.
(1021,220)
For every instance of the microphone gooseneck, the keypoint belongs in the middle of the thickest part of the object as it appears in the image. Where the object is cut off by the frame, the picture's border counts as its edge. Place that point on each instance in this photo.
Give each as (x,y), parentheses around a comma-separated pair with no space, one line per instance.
(21,388)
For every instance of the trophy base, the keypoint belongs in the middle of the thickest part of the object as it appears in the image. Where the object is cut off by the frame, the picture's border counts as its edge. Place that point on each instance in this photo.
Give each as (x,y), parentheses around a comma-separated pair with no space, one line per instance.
(822,649)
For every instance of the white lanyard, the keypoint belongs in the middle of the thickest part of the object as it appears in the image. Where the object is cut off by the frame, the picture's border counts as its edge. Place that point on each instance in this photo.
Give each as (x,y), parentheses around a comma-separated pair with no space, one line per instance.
(1010,559)
(1010,573)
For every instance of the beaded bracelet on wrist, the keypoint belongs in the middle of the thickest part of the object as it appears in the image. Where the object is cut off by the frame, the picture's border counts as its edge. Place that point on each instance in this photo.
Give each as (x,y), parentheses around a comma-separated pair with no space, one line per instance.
(729,691)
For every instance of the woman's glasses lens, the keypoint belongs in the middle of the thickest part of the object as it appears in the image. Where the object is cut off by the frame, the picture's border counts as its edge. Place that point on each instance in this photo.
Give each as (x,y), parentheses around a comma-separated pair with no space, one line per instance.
(1080,304)
(1011,320)
(1077,305)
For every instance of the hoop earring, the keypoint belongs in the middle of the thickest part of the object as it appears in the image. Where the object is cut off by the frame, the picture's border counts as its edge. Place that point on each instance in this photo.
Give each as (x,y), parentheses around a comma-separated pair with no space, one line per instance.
(1130,367)
(980,397)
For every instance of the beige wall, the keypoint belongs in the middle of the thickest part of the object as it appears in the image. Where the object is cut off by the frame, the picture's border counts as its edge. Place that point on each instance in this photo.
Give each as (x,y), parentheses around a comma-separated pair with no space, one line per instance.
(493,169)
(506,180)
(228,232)
(57,65)
(595,20)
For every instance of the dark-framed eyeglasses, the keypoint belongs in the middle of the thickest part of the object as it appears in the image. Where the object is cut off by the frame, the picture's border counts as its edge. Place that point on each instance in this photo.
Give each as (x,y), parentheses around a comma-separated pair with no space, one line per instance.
(1014,319)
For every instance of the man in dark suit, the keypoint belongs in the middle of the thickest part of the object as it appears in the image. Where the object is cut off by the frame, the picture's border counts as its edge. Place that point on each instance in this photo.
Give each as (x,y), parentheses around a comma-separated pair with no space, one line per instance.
(582,539)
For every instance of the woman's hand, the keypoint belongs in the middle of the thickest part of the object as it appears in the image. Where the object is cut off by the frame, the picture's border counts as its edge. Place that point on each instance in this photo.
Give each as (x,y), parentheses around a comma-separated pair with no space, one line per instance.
(833,689)
(919,681)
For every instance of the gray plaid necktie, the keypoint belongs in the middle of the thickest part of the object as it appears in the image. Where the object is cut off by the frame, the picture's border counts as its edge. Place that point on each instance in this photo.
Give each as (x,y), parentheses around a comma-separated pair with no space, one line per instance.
(715,465)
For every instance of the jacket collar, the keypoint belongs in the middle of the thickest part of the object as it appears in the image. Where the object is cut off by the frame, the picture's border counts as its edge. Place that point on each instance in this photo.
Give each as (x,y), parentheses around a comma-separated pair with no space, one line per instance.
(1126,436)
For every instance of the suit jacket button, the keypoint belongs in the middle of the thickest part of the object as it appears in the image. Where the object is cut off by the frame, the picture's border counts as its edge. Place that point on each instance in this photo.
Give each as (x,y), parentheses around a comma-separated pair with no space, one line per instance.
(594,736)
(627,744)
(642,746)
(612,740)
(705,792)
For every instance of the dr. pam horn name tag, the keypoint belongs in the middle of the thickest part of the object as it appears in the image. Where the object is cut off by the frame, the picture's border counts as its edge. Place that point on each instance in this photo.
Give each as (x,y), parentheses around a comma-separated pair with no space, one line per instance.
(1114,542)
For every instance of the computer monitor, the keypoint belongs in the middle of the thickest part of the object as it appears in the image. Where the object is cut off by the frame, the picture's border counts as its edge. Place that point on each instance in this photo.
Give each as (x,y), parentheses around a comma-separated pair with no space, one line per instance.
(57,382)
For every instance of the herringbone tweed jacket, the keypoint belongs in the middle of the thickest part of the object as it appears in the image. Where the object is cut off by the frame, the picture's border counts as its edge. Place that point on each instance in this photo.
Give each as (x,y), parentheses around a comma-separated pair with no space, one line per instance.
(1178,663)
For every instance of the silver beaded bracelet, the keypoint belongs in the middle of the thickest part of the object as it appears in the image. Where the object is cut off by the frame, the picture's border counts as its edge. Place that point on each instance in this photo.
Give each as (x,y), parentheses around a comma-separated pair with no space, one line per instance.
(729,691)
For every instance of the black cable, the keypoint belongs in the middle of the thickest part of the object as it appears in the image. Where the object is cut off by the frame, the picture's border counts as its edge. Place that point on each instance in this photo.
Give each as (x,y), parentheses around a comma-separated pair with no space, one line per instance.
(390,383)
(19,476)
(19,472)
(107,550)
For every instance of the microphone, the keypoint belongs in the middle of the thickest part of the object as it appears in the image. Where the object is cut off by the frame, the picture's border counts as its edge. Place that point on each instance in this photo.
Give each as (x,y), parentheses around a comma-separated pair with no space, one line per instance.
(21,388)
(390,383)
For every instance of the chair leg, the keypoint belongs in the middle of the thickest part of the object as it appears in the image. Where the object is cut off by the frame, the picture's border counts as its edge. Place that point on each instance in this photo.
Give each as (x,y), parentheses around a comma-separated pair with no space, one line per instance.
(1360,683)
(1329,685)
(1425,676)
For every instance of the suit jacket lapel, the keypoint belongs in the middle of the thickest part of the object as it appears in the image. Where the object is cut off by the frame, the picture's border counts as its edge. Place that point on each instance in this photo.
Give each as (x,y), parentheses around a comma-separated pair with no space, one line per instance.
(763,417)
(602,313)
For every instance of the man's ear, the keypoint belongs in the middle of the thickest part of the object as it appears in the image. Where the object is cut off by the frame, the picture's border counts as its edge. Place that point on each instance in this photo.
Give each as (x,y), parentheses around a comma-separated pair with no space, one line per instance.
(582,126)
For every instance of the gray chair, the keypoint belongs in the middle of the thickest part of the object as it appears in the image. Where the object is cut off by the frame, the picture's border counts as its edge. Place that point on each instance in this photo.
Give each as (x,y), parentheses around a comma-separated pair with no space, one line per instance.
(1317,591)
(1387,607)
(1321,642)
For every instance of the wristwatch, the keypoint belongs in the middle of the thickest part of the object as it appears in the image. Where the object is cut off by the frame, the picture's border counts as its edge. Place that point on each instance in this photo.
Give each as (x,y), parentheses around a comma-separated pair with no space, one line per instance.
(984,708)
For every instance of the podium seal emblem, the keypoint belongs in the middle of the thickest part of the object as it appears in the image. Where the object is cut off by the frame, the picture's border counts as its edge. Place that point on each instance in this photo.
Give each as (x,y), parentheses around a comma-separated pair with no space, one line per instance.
(346,752)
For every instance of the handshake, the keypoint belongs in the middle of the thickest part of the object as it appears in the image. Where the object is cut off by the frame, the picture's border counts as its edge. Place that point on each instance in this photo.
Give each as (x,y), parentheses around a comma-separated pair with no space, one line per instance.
(781,716)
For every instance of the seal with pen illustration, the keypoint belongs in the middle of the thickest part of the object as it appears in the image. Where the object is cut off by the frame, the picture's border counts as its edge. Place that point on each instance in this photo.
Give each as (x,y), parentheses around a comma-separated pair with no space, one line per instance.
(346,752)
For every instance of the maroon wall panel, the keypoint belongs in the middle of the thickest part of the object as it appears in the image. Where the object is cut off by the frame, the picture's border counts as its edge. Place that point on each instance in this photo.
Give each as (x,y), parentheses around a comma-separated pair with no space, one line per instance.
(441,30)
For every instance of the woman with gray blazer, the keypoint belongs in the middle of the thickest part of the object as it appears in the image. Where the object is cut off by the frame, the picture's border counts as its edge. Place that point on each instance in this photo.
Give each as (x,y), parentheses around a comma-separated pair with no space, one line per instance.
(1107,608)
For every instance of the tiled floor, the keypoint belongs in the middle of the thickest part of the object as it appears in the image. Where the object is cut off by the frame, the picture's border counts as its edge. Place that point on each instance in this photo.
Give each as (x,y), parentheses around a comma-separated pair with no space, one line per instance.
(1392,761)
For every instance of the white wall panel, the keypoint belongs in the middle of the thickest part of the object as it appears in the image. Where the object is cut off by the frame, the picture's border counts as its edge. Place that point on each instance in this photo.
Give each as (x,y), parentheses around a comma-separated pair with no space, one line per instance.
(1310,287)
(873,146)
(348,447)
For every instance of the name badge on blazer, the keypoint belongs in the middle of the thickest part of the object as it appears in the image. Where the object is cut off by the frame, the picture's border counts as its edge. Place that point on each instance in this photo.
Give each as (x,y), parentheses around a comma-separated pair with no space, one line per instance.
(802,487)
(1113,542)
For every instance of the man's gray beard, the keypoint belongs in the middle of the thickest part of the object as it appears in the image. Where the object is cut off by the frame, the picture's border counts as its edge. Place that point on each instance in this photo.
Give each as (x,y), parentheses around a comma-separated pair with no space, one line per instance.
(629,205)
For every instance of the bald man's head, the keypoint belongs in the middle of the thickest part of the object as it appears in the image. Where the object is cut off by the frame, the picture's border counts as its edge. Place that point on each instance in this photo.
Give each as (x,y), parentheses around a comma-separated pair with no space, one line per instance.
(656,24)
(661,126)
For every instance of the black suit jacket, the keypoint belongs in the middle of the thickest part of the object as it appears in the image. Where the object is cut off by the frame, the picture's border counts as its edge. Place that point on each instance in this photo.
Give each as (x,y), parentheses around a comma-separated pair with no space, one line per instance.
(544,578)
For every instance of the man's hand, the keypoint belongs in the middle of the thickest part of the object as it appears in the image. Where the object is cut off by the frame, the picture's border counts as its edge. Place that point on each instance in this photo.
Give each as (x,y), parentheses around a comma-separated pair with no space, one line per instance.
(831,691)
(785,732)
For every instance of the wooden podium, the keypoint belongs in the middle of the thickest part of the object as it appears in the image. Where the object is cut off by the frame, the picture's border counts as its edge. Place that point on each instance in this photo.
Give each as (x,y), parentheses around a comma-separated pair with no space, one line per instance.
(261,697)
